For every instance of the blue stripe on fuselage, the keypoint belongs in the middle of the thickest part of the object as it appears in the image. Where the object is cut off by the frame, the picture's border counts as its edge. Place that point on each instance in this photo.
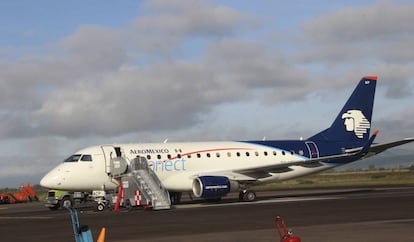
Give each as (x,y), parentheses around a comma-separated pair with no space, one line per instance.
(324,148)
(285,145)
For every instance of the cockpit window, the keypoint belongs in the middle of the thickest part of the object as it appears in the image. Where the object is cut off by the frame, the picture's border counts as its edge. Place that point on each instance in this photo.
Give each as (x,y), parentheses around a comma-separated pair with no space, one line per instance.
(86,158)
(73,158)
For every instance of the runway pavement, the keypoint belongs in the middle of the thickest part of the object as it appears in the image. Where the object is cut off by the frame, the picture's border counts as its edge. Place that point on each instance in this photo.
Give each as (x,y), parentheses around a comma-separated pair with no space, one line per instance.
(359,214)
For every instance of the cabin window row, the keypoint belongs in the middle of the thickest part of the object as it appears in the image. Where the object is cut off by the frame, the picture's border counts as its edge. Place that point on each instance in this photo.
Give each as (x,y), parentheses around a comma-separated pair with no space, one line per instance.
(228,154)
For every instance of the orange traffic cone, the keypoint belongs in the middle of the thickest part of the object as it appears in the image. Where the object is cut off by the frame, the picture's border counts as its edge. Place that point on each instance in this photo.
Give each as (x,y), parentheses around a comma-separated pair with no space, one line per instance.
(101,237)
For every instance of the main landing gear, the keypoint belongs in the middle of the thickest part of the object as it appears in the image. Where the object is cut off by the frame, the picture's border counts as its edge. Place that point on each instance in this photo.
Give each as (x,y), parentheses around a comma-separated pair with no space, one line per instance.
(247,196)
(175,197)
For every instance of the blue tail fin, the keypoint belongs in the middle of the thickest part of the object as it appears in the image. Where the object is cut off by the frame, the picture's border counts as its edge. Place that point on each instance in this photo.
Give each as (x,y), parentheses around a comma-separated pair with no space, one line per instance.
(353,123)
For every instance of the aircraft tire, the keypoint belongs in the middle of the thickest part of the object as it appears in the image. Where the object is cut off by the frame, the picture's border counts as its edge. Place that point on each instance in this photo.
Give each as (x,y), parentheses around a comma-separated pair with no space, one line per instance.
(100,207)
(66,202)
(175,197)
(247,196)
(128,204)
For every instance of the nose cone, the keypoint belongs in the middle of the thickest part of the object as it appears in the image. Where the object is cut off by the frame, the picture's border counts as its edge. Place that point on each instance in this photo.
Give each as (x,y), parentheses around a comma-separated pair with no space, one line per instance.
(53,179)
(46,181)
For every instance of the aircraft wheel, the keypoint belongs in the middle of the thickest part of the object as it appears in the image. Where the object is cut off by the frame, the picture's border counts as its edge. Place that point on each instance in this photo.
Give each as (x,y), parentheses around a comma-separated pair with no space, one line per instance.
(66,202)
(175,197)
(247,196)
(100,207)
(128,205)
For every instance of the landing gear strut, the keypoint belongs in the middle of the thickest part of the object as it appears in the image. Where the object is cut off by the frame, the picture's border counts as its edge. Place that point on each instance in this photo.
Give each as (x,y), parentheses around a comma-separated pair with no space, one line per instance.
(247,196)
(175,197)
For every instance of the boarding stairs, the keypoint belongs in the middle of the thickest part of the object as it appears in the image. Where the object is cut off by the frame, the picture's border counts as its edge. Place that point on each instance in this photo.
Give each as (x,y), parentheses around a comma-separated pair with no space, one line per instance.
(141,185)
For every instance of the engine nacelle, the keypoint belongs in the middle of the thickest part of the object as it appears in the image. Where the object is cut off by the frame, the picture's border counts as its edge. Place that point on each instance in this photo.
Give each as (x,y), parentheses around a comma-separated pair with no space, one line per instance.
(211,186)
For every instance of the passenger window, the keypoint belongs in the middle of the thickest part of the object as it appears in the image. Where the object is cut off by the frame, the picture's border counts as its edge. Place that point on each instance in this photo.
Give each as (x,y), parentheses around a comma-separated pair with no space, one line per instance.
(256,153)
(218,155)
(73,158)
(247,154)
(169,156)
(265,153)
(238,153)
(199,155)
(274,152)
(159,157)
(208,155)
(228,154)
(148,157)
(86,158)
(292,152)
(283,153)
(189,156)
(179,156)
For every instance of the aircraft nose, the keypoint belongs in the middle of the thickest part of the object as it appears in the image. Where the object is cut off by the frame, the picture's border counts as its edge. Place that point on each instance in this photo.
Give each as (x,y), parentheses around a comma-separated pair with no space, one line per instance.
(46,181)
(53,179)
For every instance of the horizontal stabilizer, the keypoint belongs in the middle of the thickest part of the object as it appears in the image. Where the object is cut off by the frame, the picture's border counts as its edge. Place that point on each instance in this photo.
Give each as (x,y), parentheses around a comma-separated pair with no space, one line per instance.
(378,148)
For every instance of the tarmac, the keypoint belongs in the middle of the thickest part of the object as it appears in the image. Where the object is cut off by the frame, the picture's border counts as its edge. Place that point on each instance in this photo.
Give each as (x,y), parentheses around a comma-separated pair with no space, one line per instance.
(356,214)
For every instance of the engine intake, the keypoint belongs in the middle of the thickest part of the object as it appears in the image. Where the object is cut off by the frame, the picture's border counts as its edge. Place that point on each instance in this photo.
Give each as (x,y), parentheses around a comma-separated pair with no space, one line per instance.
(211,186)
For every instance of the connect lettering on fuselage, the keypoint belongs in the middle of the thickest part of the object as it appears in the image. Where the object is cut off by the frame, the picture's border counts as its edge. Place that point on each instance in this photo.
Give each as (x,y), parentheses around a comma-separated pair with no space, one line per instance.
(168,165)
(161,165)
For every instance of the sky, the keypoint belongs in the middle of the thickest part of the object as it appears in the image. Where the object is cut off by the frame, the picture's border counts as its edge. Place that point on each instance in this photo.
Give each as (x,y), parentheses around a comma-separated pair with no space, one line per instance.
(80,73)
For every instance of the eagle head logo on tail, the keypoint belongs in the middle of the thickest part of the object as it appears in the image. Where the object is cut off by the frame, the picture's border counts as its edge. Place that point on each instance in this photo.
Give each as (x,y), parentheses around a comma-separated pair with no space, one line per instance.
(355,121)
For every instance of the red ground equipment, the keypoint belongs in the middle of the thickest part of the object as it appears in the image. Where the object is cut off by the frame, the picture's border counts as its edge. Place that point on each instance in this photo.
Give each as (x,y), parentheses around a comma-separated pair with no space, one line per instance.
(26,194)
(287,235)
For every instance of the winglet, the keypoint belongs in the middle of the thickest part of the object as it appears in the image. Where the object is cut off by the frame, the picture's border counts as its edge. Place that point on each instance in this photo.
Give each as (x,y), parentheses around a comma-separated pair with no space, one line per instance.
(366,147)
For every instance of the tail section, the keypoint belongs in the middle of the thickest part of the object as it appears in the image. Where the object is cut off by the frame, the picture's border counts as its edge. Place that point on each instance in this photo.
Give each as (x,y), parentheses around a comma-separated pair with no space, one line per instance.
(353,123)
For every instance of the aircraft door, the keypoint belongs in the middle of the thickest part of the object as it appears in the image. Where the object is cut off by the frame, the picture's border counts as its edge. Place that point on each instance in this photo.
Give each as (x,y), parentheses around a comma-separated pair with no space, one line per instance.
(110,152)
(313,149)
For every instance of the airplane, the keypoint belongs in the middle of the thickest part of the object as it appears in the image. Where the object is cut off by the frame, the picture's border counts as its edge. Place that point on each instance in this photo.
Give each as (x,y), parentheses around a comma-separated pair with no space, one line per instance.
(210,170)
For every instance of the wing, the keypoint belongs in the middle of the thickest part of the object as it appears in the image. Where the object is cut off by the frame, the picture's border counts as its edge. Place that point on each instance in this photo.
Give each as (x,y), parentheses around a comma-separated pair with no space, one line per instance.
(253,173)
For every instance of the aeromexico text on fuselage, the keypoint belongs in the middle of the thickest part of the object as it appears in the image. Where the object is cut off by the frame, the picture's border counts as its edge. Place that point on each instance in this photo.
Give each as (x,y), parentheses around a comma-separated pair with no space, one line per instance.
(149,151)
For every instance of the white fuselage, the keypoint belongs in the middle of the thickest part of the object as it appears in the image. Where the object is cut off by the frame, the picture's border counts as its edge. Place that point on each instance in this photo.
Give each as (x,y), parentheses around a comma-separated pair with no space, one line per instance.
(176,164)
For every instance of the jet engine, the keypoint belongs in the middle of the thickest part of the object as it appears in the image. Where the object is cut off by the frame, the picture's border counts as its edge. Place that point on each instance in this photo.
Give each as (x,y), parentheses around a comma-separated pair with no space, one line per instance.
(212,186)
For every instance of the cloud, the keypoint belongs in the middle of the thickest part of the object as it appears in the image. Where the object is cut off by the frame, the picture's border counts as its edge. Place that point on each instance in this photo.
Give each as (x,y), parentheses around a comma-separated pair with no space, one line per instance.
(98,80)
(379,22)
(382,30)
(371,40)
(91,84)
(397,126)
(192,17)
(165,26)
(170,95)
